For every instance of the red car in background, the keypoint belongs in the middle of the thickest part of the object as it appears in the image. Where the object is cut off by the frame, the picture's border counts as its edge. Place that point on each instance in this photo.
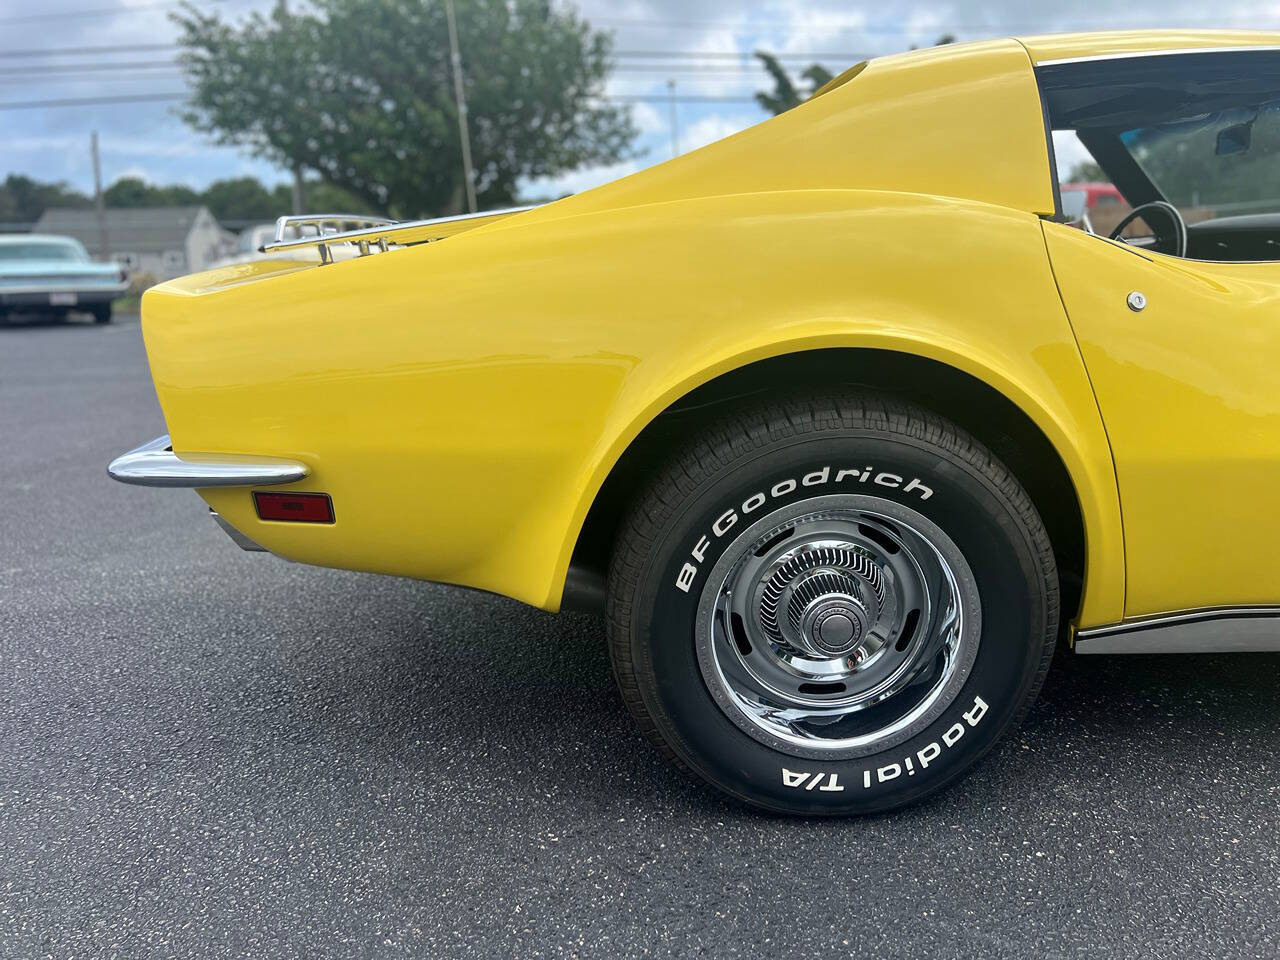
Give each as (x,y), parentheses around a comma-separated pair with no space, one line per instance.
(1097,206)
(1095,194)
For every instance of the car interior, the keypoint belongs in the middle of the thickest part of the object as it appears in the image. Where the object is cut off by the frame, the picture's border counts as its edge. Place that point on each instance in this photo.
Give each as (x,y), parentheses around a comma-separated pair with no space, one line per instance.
(1192,142)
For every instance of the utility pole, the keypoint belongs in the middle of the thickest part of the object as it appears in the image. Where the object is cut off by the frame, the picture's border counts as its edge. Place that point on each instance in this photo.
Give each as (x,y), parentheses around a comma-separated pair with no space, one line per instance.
(104,245)
(464,134)
(675,120)
(299,197)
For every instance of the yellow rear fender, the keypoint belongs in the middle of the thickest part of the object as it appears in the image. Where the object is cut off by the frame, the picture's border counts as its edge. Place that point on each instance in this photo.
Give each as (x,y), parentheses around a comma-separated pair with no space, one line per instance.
(463,403)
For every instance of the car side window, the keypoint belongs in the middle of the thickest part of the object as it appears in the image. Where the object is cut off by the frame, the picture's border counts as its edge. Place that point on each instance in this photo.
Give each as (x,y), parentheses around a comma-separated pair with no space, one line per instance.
(1219,163)
(1188,143)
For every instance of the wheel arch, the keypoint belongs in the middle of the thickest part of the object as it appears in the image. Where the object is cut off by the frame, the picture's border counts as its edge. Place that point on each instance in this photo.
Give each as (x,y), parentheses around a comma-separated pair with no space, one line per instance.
(1023,432)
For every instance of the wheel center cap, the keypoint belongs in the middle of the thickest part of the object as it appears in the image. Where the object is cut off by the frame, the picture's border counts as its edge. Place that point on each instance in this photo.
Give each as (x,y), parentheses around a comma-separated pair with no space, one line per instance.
(836,630)
(834,625)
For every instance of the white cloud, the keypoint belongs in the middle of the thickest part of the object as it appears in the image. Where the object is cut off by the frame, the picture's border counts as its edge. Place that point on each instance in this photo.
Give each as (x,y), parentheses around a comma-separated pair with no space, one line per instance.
(1068,151)
(135,172)
(648,119)
(190,146)
(714,127)
(820,31)
(578,180)
(52,143)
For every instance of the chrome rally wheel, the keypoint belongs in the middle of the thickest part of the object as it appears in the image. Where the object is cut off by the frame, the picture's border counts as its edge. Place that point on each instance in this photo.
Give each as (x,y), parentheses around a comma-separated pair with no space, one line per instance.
(831,603)
(838,626)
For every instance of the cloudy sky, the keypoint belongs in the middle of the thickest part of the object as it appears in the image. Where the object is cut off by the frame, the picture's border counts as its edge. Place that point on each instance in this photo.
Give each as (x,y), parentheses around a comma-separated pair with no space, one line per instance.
(712,40)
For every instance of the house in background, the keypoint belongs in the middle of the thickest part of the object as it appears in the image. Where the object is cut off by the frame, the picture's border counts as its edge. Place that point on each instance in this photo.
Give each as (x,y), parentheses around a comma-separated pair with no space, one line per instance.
(165,242)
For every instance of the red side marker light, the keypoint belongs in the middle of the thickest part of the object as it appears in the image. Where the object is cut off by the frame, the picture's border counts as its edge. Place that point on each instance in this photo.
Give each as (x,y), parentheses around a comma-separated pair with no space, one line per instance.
(294,507)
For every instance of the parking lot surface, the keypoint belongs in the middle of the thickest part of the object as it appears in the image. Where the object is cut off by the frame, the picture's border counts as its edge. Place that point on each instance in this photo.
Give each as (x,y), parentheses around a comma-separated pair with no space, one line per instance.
(210,753)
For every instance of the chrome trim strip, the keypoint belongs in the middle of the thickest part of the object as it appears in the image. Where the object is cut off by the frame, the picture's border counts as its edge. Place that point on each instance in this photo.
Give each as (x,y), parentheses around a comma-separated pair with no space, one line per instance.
(1219,630)
(155,464)
(379,235)
(1136,54)
(240,540)
(325,224)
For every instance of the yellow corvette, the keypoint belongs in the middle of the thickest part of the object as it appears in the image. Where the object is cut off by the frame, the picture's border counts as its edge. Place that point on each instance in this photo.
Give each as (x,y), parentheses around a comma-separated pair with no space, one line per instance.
(843,420)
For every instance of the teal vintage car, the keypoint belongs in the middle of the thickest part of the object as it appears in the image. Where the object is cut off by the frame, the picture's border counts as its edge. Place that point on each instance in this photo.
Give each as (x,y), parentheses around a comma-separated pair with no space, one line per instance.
(53,275)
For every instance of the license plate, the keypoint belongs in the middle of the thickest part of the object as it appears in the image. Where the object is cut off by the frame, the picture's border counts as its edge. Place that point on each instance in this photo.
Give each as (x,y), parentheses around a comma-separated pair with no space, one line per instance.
(62,299)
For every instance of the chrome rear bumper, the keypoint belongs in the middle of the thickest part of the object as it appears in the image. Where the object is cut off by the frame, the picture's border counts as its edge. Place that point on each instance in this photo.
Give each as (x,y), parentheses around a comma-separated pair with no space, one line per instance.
(155,464)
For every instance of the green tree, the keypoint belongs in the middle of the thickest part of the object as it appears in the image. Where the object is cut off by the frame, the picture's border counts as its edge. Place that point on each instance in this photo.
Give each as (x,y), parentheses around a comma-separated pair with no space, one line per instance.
(326,198)
(241,198)
(942,41)
(23,200)
(321,198)
(785,95)
(1086,171)
(361,91)
(1183,162)
(135,192)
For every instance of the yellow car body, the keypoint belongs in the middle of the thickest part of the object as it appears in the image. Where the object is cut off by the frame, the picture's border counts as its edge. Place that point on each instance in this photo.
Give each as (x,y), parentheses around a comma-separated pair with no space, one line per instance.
(465,401)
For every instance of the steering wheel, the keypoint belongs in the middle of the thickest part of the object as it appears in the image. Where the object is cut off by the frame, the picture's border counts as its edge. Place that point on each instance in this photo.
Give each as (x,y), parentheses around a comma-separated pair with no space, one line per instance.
(1171,213)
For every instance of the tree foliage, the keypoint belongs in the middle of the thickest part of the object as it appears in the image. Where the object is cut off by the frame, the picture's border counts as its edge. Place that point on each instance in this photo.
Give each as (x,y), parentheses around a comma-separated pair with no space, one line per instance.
(785,95)
(245,198)
(23,200)
(1086,171)
(1183,161)
(237,200)
(136,192)
(361,91)
(942,41)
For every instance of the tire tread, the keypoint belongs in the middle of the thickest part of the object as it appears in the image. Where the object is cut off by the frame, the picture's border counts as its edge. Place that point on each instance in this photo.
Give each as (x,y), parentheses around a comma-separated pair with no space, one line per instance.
(734,435)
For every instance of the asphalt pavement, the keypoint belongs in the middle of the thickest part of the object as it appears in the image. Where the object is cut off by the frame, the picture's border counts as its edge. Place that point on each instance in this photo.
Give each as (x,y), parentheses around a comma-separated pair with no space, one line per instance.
(208,753)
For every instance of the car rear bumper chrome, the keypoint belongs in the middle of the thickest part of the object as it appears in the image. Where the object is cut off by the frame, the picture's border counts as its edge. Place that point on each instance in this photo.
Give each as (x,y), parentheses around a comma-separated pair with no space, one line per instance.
(49,296)
(155,464)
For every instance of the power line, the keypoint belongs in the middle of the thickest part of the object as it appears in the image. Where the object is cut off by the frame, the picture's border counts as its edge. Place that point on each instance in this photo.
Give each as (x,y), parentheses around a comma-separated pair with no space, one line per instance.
(725,69)
(731,55)
(713,55)
(97,12)
(90,101)
(74,72)
(163,97)
(860,25)
(165,75)
(91,67)
(715,69)
(679,98)
(77,51)
(857,23)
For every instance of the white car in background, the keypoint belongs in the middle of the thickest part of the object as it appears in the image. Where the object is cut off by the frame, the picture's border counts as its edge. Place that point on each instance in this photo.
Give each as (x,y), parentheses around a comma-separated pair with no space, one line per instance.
(52,275)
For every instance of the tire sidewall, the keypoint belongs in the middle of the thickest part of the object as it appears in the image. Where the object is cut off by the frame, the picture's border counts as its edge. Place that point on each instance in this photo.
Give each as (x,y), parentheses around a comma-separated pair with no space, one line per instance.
(950,492)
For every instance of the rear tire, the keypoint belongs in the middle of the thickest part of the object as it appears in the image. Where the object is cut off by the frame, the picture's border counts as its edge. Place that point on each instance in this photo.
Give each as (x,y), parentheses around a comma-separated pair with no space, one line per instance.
(102,314)
(761,598)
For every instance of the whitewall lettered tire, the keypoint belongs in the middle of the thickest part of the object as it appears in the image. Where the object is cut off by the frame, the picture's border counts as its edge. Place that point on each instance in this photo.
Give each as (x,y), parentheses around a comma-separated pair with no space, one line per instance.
(831,604)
